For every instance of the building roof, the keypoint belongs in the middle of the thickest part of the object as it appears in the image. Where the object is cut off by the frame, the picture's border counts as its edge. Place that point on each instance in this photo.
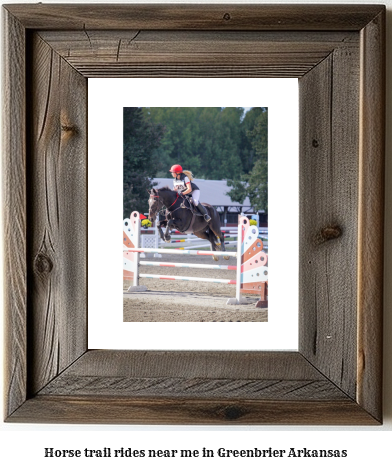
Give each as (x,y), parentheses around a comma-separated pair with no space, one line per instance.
(212,191)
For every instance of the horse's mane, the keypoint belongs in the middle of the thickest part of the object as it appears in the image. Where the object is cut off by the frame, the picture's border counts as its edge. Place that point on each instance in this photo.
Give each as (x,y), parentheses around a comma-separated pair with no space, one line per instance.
(164,188)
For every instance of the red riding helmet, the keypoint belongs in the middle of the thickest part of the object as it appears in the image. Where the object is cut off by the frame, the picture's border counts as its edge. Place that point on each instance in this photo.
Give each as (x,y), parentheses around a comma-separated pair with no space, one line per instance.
(175,169)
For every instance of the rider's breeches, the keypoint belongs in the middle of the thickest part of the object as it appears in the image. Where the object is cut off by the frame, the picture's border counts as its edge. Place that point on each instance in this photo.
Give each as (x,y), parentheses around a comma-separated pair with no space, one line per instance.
(196,196)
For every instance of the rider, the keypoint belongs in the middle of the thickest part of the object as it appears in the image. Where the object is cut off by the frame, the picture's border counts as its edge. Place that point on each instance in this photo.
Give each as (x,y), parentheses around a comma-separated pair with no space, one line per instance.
(182,183)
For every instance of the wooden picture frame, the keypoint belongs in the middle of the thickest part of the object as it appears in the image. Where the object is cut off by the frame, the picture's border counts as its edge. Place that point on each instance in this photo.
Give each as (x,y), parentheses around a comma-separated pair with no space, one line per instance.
(338,54)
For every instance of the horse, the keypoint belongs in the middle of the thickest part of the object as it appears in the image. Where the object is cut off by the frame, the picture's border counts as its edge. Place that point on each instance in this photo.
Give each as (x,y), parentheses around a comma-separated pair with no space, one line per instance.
(180,214)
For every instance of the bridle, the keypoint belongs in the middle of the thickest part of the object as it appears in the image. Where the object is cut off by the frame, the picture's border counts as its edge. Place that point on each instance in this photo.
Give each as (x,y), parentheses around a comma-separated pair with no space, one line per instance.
(157,201)
(163,208)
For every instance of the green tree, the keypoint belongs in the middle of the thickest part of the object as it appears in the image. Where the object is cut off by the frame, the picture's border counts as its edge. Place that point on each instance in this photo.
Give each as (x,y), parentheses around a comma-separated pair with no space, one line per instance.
(227,160)
(255,184)
(258,185)
(141,138)
(248,153)
(205,140)
(214,143)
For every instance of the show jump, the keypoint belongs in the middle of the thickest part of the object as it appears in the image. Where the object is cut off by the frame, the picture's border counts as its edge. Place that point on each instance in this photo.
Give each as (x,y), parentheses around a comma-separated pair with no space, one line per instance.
(251,267)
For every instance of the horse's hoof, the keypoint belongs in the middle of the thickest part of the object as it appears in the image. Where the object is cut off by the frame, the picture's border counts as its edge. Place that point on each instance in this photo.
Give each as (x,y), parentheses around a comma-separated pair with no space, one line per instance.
(215,258)
(226,257)
(168,240)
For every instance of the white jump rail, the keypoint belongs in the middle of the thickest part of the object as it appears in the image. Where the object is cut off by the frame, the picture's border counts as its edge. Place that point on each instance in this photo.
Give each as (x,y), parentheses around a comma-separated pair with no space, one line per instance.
(189,265)
(199,246)
(251,269)
(193,239)
(183,252)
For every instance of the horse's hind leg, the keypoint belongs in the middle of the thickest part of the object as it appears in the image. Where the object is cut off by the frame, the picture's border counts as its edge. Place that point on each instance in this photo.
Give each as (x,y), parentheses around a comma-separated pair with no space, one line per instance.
(222,244)
(216,231)
(215,244)
(207,235)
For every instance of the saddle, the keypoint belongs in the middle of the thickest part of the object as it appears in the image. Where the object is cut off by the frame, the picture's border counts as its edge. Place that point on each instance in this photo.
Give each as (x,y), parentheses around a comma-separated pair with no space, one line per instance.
(188,204)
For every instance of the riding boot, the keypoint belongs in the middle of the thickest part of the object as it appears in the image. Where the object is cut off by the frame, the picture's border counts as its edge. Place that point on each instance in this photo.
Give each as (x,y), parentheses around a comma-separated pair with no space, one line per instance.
(203,210)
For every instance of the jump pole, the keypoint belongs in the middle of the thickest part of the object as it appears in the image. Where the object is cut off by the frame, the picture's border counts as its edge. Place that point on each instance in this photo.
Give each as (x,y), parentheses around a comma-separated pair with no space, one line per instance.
(202,246)
(252,272)
(183,252)
(188,265)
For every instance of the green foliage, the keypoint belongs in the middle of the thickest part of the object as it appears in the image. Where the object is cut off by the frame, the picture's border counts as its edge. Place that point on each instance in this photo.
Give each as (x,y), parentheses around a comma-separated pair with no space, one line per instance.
(255,184)
(205,140)
(240,189)
(212,142)
(258,185)
(258,135)
(141,138)
(251,120)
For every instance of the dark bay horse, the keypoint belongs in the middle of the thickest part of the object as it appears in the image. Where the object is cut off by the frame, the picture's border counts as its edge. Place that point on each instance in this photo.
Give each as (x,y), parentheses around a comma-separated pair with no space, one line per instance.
(178,215)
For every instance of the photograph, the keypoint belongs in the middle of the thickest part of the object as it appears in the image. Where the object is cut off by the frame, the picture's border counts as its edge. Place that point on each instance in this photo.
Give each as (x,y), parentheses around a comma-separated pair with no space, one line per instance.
(195,199)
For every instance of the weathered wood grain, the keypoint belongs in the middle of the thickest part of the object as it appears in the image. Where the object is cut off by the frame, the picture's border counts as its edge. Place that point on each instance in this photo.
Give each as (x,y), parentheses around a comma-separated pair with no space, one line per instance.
(14,213)
(329,134)
(206,374)
(57,215)
(195,17)
(102,409)
(169,71)
(189,387)
(208,364)
(187,53)
(371,216)
(122,43)
(195,387)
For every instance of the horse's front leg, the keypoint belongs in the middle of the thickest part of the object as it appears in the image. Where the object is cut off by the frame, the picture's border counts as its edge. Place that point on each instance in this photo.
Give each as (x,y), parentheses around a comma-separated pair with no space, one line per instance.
(161,234)
(171,224)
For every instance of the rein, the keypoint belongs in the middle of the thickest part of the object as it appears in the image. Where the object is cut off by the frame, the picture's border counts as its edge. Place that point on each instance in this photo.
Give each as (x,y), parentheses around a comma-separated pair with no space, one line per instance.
(159,198)
(174,201)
